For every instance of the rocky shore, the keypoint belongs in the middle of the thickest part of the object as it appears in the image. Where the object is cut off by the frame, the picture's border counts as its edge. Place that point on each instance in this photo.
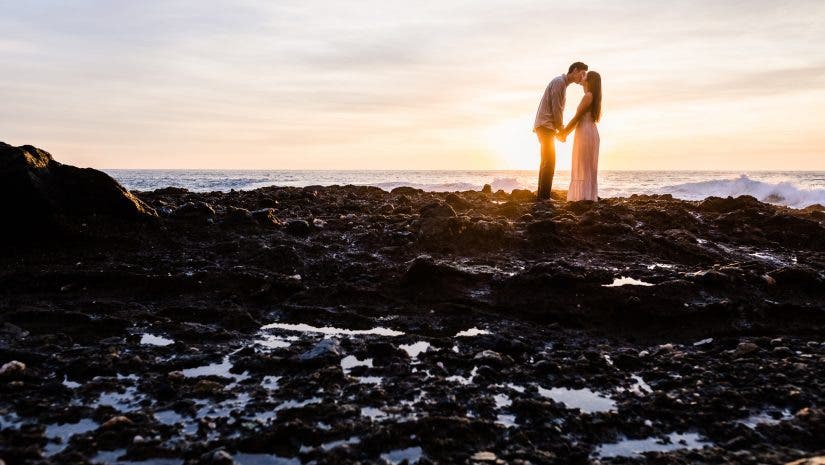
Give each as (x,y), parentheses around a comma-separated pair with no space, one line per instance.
(348,324)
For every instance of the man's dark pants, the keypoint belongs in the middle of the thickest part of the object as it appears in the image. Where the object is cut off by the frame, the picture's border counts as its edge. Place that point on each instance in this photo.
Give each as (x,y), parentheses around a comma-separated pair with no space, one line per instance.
(547,168)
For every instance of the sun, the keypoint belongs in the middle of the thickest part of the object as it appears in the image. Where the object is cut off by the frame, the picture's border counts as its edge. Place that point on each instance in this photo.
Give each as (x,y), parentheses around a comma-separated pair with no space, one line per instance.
(517,148)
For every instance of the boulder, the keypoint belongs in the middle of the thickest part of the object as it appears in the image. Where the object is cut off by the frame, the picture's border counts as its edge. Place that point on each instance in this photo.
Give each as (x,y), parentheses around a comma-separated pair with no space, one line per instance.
(194,211)
(520,195)
(437,210)
(487,189)
(298,227)
(266,217)
(406,190)
(457,202)
(40,195)
(236,215)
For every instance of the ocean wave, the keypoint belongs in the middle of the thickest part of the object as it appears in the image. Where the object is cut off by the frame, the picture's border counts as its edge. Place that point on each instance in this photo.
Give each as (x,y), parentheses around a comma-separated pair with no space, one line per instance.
(780,193)
(505,184)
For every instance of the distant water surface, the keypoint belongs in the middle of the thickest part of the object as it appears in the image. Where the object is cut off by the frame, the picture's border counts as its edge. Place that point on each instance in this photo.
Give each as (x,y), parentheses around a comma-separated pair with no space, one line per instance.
(792,188)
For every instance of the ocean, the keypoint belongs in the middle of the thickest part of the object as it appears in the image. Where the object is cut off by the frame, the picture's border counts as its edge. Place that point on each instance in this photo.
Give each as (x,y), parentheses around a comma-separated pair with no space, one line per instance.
(797,189)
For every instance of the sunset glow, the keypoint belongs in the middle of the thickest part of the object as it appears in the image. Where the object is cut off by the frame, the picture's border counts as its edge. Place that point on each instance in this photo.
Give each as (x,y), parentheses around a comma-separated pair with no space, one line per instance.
(400,85)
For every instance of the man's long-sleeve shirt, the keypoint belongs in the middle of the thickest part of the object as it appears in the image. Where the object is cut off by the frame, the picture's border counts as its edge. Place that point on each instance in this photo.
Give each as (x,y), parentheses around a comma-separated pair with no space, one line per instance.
(551,107)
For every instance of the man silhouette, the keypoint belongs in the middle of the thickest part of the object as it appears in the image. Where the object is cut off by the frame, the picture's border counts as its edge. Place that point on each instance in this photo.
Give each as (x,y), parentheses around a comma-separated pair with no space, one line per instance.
(549,123)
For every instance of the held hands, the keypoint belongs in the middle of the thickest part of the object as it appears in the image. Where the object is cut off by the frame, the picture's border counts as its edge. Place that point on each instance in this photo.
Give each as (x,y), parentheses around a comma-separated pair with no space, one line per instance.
(562,135)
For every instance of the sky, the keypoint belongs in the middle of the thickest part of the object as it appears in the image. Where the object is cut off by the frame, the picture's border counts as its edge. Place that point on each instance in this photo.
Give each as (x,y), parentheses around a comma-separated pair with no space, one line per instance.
(243,84)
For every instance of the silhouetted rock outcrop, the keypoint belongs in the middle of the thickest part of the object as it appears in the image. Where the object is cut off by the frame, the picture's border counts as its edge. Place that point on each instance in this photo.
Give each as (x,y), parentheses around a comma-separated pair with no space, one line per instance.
(40,195)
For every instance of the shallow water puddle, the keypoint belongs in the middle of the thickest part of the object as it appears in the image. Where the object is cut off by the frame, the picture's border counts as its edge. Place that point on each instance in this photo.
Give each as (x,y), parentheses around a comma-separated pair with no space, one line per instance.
(350,361)
(332,331)
(64,432)
(270,341)
(631,447)
(506,420)
(10,420)
(626,281)
(111,456)
(462,379)
(154,340)
(332,444)
(374,413)
(121,401)
(70,384)
(584,399)
(766,418)
(415,349)
(220,369)
(264,459)
(640,387)
(270,383)
(472,332)
(502,400)
(410,454)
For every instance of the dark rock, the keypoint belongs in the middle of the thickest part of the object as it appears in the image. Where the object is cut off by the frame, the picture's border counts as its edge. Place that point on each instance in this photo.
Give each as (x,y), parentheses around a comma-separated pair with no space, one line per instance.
(194,210)
(325,348)
(521,195)
(38,194)
(437,210)
(298,227)
(457,202)
(406,190)
(266,217)
(386,209)
(235,215)
(729,204)
(798,277)
(487,189)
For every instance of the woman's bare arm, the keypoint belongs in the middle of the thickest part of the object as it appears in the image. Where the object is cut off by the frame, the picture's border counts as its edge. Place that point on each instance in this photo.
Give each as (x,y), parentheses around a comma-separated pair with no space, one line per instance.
(584,106)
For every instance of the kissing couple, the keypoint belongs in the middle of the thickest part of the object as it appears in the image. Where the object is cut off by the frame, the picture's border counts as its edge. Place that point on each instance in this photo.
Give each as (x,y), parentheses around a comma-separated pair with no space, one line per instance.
(549,126)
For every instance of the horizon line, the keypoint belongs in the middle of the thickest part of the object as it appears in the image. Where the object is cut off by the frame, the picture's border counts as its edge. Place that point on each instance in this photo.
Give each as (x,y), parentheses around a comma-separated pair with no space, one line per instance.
(329,170)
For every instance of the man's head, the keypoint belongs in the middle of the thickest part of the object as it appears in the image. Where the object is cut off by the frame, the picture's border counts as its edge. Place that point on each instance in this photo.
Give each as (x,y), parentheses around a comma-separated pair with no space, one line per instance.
(577,72)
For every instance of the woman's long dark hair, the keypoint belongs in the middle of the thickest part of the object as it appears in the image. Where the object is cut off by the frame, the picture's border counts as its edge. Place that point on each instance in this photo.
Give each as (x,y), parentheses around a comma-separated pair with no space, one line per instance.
(594,85)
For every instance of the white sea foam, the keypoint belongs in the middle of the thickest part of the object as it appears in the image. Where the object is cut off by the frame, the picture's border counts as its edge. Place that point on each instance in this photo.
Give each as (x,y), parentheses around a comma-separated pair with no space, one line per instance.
(781,193)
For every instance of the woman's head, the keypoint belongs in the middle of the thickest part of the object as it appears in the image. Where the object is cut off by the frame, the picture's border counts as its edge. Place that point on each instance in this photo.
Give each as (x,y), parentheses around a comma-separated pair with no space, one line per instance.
(593,84)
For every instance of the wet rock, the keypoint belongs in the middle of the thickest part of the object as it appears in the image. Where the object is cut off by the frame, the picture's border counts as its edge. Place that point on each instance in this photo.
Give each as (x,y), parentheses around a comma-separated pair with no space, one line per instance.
(542,229)
(12,368)
(798,277)
(13,331)
(40,196)
(406,190)
(205,387)
(194,211)
(457,202)
(325,349)
(492,358)
(266,217)
(116,422)
(724,205)
(745,348)
(298,227)
(217,457)
(437,210)
(521,195)
(487,189)
(386,209)
(484,456)
(238,216)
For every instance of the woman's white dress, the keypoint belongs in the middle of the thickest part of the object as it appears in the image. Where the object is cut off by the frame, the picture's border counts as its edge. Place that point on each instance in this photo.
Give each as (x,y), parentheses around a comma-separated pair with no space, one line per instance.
(585,164)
